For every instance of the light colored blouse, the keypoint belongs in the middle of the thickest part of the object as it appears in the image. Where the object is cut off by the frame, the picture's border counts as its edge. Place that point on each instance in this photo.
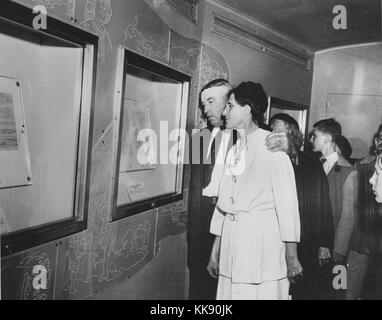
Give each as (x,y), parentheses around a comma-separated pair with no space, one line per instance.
(258,187)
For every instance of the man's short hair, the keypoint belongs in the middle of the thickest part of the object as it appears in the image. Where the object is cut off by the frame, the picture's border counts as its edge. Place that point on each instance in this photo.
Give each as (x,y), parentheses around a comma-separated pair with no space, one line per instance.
(329,126)
(216,83)
(212,84)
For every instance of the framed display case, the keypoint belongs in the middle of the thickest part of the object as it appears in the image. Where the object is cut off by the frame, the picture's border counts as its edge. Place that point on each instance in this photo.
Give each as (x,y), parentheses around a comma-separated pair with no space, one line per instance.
(47,82)
(298,111)
(15,169)
(150,114)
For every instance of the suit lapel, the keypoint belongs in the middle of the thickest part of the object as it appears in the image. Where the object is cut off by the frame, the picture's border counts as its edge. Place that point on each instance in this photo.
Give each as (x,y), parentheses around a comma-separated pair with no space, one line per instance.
(341,162)
(332,170)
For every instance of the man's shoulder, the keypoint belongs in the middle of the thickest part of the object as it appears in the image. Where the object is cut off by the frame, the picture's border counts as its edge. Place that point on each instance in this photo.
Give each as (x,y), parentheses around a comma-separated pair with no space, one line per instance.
(344,169)
(342,162)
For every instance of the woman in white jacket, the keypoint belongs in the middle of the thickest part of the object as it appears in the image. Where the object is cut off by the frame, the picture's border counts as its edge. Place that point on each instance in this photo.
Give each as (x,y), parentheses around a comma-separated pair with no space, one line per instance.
(256,220)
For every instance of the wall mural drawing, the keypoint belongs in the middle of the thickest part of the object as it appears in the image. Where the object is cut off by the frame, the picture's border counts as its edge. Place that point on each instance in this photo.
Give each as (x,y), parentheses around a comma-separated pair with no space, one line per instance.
(97,16)
(105,251)
(151,48)
(27,292)
(70,6)
(184,63)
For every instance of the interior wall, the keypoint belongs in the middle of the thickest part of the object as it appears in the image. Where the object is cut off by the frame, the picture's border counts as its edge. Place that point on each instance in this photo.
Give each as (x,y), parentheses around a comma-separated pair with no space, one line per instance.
(347,84)
(108,254)
(279,79)
(126,253)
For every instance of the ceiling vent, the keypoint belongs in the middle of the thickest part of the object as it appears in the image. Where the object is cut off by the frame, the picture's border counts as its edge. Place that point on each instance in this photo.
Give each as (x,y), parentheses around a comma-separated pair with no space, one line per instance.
(189,8)
(235,32)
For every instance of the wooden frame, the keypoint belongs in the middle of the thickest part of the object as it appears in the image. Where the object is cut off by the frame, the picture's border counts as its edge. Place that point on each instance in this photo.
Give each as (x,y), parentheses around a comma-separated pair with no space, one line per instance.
(130,58)
(12,242)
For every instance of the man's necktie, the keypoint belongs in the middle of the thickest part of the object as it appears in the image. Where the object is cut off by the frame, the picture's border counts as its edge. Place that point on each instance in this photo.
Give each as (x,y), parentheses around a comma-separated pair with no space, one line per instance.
(209,167)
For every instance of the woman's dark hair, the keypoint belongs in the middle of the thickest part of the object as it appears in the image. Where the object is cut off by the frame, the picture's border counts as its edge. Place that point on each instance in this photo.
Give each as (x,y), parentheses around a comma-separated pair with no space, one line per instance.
(253,95)
(377,137)
(294,128)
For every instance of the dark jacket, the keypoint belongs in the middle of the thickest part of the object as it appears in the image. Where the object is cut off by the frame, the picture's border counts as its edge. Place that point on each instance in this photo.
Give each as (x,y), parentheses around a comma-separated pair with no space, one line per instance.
(201,208)
(343,184)
(317,227)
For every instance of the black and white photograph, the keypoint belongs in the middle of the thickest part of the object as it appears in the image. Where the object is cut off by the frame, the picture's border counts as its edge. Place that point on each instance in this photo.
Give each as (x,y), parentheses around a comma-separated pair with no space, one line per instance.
(191,153)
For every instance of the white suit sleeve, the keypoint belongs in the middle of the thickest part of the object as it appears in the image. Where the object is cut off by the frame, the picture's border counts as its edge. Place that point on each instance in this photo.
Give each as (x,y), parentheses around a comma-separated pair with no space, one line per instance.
(285,196)
(217,222)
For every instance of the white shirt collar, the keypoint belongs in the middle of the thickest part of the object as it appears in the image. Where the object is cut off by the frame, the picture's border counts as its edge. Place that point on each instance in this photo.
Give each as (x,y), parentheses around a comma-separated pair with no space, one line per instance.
(330,161)
(212,190)
(214,133)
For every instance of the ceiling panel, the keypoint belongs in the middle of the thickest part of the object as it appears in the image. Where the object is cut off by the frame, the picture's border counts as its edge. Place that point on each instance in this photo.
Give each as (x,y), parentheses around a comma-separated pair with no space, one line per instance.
(309,22)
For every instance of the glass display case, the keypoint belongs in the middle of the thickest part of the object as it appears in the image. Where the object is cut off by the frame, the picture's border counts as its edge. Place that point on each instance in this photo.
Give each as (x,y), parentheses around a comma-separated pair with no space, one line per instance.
(150,134)
(46,100)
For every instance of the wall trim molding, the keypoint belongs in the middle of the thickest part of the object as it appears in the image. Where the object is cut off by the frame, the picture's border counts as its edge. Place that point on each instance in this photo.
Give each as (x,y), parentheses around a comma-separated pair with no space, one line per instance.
(348,47)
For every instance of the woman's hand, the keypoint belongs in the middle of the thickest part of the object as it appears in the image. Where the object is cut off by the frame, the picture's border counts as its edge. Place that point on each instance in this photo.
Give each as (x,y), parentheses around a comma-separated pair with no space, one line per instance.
(213,264)
(293,264)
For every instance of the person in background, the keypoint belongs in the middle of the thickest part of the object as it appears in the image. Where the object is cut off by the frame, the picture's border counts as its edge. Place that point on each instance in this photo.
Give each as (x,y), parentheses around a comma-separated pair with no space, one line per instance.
(343,188)
(376,179)
(368,233)
(373,153)
(256,219)
(368,224)
(317,228)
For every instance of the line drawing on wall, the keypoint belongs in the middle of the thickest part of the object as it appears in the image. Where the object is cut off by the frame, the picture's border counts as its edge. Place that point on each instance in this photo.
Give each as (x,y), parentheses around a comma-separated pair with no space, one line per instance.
(50,3)
(148,47)
(26,291)
(70,6)
(183,64)
(102,259)
(105,251)
(97,16)
(211,69)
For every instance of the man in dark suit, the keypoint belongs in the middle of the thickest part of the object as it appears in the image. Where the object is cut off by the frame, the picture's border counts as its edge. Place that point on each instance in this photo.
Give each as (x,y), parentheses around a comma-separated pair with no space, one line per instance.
(343,182)
(205,146)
